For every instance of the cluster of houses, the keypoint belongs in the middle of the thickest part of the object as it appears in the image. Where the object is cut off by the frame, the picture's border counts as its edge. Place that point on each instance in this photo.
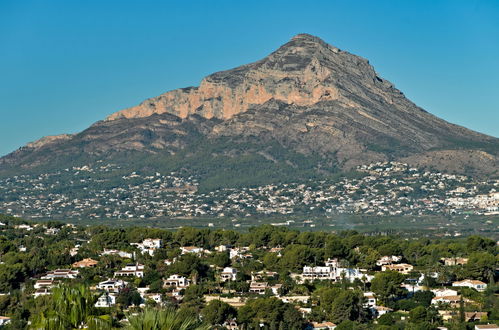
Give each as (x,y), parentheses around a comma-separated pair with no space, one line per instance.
(387,188)
(264,282)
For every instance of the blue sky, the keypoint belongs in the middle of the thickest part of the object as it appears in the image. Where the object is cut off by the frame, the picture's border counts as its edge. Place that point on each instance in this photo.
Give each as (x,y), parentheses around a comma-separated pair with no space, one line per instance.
(66,64)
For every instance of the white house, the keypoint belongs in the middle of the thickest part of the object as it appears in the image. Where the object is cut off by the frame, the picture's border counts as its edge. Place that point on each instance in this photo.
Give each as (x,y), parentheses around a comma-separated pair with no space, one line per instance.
(258,287)
(444,292)
(149,245)
(60,274)
(106,300)
(4,320)
(177,281)
(112,285)
(122,254)
(156,297)
(387,260)
(41,292)
(136,270)
(191,249)
(228,274)
(44,284)
(382,310)
(370,300)
(332,273)
(474,284)
(452,300)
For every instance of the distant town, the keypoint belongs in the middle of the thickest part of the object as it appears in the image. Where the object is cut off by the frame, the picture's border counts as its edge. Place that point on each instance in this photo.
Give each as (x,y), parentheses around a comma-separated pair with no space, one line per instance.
(388,188)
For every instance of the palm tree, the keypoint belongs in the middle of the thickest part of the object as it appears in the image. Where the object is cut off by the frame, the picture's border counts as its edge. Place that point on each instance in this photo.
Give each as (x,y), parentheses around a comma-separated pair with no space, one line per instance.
(164,319)
(71,308)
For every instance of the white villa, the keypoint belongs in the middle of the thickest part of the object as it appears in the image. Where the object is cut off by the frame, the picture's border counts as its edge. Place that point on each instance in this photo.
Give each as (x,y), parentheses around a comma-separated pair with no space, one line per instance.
(112,285)
(176,281)
(106,300)
(228,274)
(474,284)
(136,270)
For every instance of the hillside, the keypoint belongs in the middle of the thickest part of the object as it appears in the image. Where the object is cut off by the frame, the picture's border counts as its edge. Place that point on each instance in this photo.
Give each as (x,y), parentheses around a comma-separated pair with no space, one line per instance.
(307,110)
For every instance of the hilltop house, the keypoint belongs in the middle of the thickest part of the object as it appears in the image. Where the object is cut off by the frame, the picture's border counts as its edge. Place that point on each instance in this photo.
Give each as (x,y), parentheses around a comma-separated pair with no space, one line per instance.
(136,270)
(474,284)
(176,281)
(454,261)
(149,245)
(112,285)
(258,287)
(44,284)
(228,274)
(60,274)
(388,260)
(106,300)
(122,254)
(191,249)
(401,268)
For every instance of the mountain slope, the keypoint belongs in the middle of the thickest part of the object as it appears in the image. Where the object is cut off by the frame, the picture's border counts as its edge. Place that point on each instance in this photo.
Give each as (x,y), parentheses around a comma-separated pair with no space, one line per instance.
(306,109)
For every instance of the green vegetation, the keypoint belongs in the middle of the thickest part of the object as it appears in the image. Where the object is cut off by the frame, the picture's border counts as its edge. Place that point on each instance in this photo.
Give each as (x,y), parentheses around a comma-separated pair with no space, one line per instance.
(27,254)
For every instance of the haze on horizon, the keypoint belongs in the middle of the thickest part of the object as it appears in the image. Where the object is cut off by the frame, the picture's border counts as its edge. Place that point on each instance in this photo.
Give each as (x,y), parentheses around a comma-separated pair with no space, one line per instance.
(67,65)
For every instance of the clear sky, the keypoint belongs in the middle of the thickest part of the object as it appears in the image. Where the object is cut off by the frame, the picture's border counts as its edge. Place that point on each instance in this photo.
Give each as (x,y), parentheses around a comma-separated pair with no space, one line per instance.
(66,64)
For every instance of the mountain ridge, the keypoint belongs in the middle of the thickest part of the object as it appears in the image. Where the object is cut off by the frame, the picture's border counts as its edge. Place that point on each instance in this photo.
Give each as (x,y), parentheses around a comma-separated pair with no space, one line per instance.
(306,98)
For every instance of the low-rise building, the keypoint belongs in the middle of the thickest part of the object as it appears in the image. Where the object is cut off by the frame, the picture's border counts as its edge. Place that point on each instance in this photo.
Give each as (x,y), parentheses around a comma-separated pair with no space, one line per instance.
(442,292)
(321,326)
(228,274)
(41,292)
(119,253)
(401,268)
(4,320)
(112,285)
(106,300)
(474,284)
(454,261)
(486,327)
(60,274)
(452,300)
(149,245)
(176,281)
(191,249)
(136,270)
(44,284)
(388,260)
(258,287)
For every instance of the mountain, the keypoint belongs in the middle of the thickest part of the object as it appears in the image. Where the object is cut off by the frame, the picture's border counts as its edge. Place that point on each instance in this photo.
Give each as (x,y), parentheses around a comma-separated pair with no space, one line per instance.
(308,109)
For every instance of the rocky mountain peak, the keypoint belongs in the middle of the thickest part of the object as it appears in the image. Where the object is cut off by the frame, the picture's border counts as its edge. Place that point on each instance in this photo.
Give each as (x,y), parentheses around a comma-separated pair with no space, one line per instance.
(307,98)
(304,71)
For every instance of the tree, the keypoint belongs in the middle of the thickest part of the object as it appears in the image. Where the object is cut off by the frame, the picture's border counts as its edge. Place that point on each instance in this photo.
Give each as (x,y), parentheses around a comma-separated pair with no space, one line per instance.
(272,312)
(348,305)
(164,319)
(418,314)
(296,256)
(128,296)
(481,266)
(216,312)
(70,308)
(387,285)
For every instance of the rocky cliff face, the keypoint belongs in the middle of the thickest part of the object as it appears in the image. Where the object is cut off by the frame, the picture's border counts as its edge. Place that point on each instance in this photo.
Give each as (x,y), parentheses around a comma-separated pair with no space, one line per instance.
(303,72)
(308,98)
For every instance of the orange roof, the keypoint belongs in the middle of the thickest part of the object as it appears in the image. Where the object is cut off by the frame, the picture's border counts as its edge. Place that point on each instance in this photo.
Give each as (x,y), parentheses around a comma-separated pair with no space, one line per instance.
(88,262)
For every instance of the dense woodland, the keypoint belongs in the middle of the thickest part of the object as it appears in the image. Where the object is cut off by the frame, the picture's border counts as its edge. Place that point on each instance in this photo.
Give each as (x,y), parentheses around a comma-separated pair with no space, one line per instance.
(25,256)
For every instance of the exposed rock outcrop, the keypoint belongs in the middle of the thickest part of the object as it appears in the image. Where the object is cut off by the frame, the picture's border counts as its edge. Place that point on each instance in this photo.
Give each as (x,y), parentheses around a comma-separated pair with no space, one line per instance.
(308,97)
